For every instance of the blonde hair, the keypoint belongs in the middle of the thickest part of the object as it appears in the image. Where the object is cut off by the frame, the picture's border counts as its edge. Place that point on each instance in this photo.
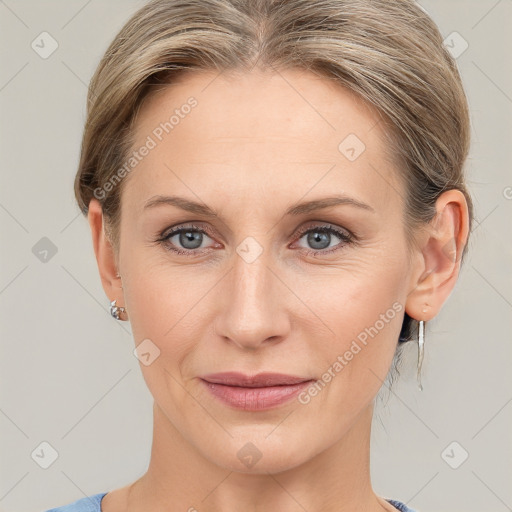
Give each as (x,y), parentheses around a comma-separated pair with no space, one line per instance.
(389,52)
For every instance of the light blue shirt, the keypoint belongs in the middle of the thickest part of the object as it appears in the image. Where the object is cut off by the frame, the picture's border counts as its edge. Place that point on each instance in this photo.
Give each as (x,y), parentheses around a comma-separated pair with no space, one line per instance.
(93,504)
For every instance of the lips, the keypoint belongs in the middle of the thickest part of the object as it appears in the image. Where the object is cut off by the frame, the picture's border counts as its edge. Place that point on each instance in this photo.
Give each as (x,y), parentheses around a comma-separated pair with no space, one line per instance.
(257,392)
(256,381)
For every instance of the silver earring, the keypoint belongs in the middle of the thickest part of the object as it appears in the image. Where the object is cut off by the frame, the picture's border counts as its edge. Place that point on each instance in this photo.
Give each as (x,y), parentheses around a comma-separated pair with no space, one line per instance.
(116,310)
(421,344)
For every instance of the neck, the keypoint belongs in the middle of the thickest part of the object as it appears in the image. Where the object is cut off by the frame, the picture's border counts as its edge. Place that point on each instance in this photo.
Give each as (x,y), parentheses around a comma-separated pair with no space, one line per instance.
(180,478)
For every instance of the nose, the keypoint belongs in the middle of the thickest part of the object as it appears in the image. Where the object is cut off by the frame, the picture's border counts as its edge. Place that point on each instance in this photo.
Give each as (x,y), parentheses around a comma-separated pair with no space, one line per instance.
(253,305)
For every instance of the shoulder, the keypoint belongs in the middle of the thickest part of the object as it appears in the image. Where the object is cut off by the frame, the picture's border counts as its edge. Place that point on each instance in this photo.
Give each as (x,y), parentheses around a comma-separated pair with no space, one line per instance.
(93,504)
(87,504)
(402,507)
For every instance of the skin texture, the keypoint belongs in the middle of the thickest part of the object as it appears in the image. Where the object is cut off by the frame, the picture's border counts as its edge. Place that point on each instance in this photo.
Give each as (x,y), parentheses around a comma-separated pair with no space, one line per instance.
(256,144)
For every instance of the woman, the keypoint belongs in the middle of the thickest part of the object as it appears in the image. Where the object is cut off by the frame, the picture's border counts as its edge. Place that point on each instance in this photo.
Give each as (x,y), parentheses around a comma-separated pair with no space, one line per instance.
(276,197)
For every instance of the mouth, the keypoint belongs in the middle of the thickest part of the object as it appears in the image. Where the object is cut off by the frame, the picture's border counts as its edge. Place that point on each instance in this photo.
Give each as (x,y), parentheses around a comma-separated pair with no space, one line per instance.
(254,393)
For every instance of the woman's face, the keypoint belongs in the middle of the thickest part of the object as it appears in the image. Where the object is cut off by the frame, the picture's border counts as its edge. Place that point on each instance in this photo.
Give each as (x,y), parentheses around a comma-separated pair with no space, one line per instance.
(268,281)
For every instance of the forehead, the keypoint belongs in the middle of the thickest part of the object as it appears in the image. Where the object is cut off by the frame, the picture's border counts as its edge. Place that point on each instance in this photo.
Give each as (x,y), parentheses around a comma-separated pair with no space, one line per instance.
(282,133)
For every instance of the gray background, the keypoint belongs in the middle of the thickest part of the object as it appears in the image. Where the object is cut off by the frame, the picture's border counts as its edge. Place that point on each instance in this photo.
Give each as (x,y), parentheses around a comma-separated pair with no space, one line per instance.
(68,374)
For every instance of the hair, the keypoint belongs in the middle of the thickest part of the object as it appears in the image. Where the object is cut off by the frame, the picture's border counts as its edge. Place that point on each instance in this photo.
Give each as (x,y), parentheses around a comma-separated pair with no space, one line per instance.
(390,53)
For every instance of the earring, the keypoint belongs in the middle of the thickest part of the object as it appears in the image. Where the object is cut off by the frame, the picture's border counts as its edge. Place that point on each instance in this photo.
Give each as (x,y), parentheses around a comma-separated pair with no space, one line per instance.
(421,344)
(116,310)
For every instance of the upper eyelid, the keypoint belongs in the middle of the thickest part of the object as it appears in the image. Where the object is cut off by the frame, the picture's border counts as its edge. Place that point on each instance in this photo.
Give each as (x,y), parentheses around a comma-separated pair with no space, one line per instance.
(176,229)
(310,225)
(324,225)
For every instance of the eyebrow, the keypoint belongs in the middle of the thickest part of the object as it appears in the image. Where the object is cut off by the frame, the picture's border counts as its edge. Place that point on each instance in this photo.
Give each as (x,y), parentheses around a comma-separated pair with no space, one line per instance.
(327,202)
(297,209)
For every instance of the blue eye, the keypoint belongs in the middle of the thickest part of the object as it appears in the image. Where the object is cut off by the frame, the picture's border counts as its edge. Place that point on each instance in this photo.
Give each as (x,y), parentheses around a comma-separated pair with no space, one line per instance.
(320,238)
(190,238)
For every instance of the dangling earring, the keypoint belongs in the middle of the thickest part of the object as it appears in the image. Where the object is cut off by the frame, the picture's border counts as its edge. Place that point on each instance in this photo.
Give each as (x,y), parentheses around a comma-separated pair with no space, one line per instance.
(421,343)
(421,346)
(116,310)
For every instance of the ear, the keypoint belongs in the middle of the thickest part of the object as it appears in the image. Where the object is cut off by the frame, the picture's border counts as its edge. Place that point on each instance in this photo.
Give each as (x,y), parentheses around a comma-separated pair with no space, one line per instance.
(438,258)
(105,254)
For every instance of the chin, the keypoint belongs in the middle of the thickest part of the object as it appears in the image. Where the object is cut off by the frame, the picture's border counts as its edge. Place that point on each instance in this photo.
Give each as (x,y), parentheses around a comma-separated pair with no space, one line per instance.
(257,452)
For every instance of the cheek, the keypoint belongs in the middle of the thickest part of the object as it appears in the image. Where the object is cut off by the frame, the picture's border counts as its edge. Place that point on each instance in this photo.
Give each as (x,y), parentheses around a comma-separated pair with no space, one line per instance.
(362,311)
(351,296)
(168,304)
(160,302)
(161,310)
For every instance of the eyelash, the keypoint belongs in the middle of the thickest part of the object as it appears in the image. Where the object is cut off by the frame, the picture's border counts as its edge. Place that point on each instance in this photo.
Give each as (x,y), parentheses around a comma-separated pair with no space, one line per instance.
(346,239)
